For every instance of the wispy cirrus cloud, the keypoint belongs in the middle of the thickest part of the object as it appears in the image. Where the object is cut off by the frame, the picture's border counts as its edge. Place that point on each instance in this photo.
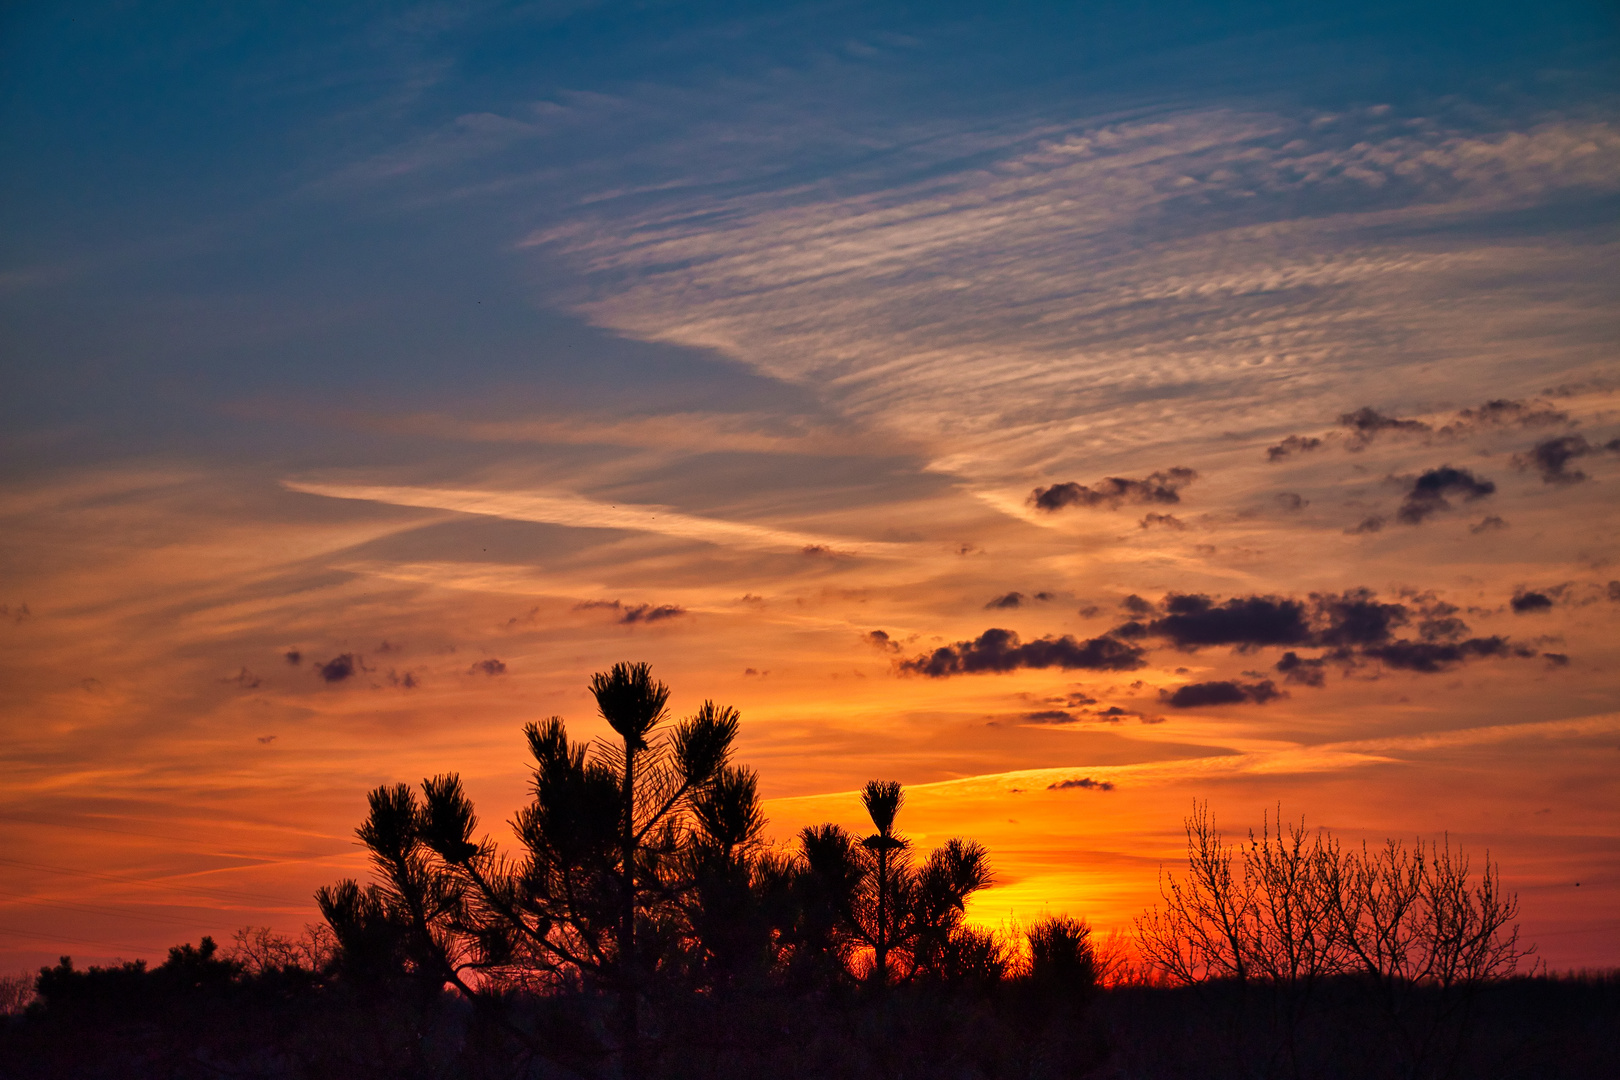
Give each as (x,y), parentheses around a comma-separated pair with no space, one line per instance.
(577,511)
(1097,285)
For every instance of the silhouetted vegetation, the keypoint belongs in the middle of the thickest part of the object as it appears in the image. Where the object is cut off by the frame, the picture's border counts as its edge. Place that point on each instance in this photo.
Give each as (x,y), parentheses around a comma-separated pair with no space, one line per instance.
(642,927)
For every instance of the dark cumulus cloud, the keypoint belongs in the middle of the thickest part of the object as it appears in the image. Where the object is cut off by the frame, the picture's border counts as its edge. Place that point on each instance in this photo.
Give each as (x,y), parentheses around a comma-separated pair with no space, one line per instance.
(880,639)
(1428,657)
(648,613)
(1193,620)
(338,668)
(1355,617)
(293,657)
(1294,444)
(1551,458)
(1350,627)
(633,613)
(1526,601)
(1367,423)
(998,650)
(1330,620)
(1084,783)
(1049,716)
(1007,601)
(488,667)
(1162,521)
(1372,524)
(1503,412)
(1442,626)
(1115,491)
(1199,695)
(1138,606)
(1306,671)
(1431,492)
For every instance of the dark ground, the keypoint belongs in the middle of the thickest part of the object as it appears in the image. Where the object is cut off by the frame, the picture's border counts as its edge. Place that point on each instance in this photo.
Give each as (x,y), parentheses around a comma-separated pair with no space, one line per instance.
(201,1018)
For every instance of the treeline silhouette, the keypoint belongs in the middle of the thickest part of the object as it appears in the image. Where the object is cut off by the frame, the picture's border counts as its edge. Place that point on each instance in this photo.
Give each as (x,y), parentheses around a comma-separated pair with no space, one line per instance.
(643,928)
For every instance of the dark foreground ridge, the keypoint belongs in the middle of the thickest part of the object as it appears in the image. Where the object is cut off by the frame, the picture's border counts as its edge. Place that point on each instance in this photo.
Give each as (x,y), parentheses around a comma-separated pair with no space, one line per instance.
(643,929)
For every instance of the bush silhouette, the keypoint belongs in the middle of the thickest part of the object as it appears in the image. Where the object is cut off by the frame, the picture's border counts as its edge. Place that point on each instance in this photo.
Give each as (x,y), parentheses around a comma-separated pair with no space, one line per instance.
(641,876)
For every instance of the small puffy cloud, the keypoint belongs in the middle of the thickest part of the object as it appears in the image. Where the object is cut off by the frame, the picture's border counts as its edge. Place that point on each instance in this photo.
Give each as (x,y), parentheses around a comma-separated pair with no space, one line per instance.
(1162,521)
(245,679)
(1006,601)
(1366,525)
(338,668)
(1084,783)
(633,613)
(1503,412)
(879,639)
(1551,458)
(488,667)
(1199,695)
(998,650)
(1290,501)
(1294,444)
(1525,601)
(1049,716)
(1556,659)
(293,657)
(406,681)
(1442,628)
(1429,492)
(1137,606)
(1489,523)
(648,613)
(1307,671)
(1115,491)
(1366,424)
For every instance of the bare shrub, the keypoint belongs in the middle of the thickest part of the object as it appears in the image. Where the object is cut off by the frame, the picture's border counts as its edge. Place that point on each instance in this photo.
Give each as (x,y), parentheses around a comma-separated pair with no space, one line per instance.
(1292,906)
(16,991)
(1411,926)
(1414,916)
(258,949)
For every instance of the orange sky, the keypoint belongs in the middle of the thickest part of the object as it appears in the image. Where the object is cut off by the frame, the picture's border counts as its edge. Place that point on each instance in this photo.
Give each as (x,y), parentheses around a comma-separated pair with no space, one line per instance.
(486,382)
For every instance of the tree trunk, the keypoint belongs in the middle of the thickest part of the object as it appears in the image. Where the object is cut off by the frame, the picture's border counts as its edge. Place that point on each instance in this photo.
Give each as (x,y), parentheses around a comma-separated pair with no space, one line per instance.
(628,975)
(881,946)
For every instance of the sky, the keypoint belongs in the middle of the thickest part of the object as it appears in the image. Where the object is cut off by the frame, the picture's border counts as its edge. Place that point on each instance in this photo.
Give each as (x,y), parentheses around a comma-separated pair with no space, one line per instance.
(1071,412)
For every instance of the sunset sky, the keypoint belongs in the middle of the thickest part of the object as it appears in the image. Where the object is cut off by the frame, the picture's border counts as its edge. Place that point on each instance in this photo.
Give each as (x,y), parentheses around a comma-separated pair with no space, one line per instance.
(1071,412)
